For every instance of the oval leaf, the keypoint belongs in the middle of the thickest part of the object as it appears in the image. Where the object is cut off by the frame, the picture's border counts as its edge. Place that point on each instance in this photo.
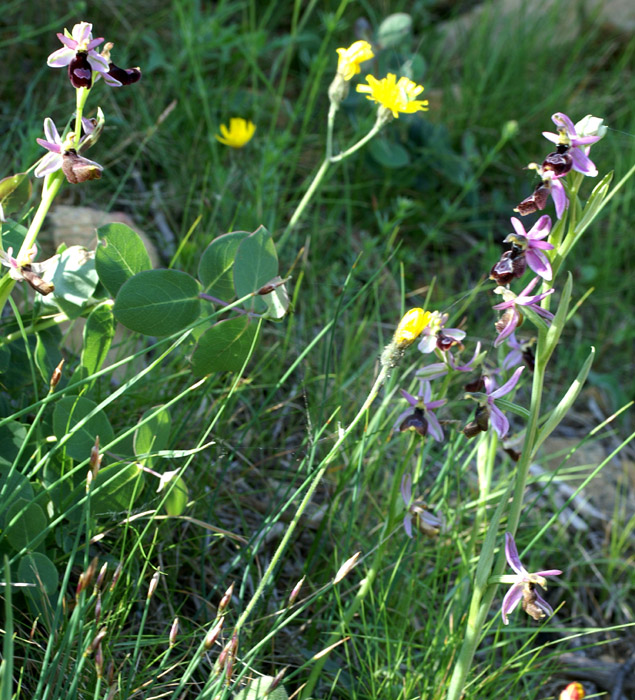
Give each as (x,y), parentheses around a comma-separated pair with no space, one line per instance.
(176,500)
(394,30)
(38,569)
(152,435)
(71,410)
(74,276)
(158,302)
(30,524)
(217,261)
(15,192)
(388,153)
(255,265)
(115,489)
(224,347)
(120,255)
(98,334)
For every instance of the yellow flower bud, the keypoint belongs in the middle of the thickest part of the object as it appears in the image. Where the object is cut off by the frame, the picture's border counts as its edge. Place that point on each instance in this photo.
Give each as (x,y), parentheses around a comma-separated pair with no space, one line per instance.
(574,691)
(350,58)
(410,327)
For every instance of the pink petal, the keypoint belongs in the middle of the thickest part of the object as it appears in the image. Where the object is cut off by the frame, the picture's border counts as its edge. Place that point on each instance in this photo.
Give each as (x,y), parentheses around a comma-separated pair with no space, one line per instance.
(409,397)
(60,58)
(561,119)
(560,198)
(98,62)
(539,263)
(53,147)
(68,42)
(434,427)
(426,391)
(518,226)
(511,554)
(512,359)
(49,164)
(433,405)
(541,228)
(50,131)
(555,138)
(427,344)
(582,163)
(543,245)
(406,489)
(94,43)
(407,525)
(549,572)
(454,333)
(81,32)
(584,140)
(509,328)
(498,420)
(508,385)
(511,600)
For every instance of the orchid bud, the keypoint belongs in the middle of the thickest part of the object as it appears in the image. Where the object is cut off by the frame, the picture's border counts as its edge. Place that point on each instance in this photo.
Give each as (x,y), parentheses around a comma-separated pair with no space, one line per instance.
(57,374)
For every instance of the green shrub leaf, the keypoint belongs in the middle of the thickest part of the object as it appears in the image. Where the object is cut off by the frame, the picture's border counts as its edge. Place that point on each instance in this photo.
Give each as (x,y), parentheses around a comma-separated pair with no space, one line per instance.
(158,302)
(28,525)
(255,265)
(152,435)
(38,569)
(215,271)
(224,347)
(120,255)
(68,412)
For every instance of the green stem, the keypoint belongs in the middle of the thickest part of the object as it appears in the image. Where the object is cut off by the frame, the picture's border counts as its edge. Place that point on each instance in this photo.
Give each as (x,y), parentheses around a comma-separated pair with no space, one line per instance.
(81,95)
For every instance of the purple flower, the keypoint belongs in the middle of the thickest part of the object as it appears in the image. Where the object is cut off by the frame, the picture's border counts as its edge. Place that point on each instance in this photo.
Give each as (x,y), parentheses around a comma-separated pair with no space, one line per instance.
(81,58)
(58,149)
(509,321)
(435,335)
(533,244)
(568,136)
(14,265)
(468,366)
(420,416)
(498,419)
(515,355)
(523,586)
(425,521)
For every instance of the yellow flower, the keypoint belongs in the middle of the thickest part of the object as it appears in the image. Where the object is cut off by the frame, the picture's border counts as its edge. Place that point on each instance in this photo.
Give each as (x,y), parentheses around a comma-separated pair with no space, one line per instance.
(350,58)
(396,96)
(411,326)
(239,133)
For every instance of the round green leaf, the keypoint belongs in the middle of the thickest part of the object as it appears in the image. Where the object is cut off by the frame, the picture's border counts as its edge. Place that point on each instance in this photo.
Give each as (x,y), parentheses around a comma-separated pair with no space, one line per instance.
(15,192)
(224,347)
(258,689)
(388,153)
(75,279)
(68,412)
(158,302)
(38,569)
(98,334)
(28,526)
(217,261)
(120,255)
(394,30)
(255,265)
(176,500)
(152,435)
(116,488)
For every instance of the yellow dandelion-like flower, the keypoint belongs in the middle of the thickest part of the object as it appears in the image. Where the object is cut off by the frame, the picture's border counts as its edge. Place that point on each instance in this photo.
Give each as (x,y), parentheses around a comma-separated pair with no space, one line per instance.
(411,326)
(239,133)
(350,58)
(394,95)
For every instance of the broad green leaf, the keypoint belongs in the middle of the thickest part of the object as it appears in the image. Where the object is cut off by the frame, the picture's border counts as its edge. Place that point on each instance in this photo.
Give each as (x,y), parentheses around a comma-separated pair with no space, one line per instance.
(12,436)
(116,488)
(120,255)
(28,526)
(176,500)
(258,689)
(394,31)
(15,192)
(47,356)
(152,435)
(224,347)
(75,279)
(389,153)
(565,403)
(98,334)
(255,265)
(13,235)
(217,261)
(158,302)
(18,486)
(38,569)
(68,412)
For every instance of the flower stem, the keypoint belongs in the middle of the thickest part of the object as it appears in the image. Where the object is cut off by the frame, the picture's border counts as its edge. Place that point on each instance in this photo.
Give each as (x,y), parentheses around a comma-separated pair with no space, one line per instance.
(81,95)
